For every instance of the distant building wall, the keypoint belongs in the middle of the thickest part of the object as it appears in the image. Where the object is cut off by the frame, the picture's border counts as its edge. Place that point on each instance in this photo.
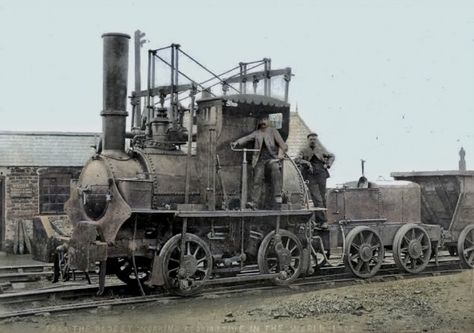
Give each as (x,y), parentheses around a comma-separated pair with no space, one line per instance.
(35,173)
(32,191)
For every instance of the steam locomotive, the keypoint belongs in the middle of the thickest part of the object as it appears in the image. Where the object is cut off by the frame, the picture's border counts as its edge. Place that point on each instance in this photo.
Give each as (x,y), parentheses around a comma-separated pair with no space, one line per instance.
(170,209)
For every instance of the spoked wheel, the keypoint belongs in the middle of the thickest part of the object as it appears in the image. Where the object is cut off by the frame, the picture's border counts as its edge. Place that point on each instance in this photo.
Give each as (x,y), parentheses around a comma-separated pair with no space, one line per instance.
(186,278)
(412,248)
(282,253)
(125,270)
(364,252)
(466,246)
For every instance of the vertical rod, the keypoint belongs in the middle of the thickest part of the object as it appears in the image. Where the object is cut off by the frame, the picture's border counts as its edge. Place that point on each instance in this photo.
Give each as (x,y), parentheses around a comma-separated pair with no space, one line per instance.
(176,82)
(190,142)
(183,240)
(171,113)
(241,83)
(153,70)
(287,84)
(243,194)
(136,121)
(269,84)
(148,87)
(265,80)
(242,243)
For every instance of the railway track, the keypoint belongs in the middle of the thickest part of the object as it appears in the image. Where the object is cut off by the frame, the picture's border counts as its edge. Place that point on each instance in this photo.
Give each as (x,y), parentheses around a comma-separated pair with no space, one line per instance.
(25,273)
(329,277)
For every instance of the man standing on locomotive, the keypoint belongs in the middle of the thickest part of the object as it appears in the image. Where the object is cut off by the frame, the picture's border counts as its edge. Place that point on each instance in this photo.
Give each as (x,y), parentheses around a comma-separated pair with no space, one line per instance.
(271,148)
(316,160)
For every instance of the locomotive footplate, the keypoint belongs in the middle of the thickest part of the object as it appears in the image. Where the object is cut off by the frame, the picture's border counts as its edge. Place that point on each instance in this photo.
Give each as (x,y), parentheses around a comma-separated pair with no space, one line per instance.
(230,213)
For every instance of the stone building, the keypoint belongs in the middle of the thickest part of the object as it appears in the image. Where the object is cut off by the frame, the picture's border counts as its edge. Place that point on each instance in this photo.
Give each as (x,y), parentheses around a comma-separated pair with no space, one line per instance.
(35,173)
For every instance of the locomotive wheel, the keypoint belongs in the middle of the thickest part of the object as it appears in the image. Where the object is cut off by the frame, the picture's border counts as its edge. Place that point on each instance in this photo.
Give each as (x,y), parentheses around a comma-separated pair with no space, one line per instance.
(412,248)
(186,278)
(364,252)
(125,270)
(466,246)
(288,262)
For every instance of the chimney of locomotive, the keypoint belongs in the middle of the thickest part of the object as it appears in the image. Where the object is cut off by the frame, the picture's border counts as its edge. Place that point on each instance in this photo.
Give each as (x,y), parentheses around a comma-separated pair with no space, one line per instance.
(115,75)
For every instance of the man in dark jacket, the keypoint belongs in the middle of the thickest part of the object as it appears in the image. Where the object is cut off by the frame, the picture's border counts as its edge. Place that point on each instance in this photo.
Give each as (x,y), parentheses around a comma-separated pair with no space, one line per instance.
(316,160)
(271,148)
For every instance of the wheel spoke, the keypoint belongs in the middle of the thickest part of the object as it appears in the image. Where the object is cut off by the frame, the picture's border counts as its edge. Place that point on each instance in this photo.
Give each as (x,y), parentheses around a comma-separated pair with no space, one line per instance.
(355,246)
(469,249)
(403,249)
(174,260)
(361,237)
(355,256)
(188,247)
(413,233)
(287,243)
(406,259)
(196,251)
(413,263)
(369,238)
(359,265)
(201,260)
(406,239)
(375,247)
(420,237)
(470,260)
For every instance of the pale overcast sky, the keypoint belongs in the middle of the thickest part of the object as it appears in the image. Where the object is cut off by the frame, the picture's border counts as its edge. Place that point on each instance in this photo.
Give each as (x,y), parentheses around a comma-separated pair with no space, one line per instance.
(388,81)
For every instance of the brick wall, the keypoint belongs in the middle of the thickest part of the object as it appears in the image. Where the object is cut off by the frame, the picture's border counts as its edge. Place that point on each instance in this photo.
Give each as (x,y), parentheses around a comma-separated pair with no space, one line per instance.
(21,202)
(22,196)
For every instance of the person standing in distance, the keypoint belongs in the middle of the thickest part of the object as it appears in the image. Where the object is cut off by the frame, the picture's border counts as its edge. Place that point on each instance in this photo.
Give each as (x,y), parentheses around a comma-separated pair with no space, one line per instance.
(315,160)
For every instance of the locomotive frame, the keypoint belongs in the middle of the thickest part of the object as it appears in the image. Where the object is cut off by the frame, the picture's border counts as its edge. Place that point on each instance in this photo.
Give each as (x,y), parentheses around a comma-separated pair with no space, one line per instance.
(159,215)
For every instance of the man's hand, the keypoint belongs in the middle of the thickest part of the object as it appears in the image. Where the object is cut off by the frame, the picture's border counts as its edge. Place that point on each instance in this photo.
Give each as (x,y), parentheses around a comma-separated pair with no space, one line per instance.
(233,145)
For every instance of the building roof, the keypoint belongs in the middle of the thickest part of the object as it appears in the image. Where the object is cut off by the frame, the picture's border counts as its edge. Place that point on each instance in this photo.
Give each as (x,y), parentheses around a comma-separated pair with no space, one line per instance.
(297,137)
(46,148)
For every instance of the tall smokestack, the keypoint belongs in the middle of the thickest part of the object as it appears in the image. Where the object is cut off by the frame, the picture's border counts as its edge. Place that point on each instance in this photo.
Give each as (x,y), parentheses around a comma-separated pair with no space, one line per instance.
(115,77)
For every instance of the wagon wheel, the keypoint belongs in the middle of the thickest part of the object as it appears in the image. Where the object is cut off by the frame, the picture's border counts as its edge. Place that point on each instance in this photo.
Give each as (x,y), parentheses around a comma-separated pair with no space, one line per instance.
(412,248)
(186,278)
(281,253)
(364,252)
(125,270)
(466,246)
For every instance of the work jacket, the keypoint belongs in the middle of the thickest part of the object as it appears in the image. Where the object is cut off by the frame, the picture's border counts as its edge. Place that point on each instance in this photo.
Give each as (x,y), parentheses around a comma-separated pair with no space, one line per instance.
(321,153)
(273,141)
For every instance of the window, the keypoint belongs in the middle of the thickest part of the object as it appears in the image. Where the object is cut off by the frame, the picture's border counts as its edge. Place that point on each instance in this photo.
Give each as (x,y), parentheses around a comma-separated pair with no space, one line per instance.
(54,192)
(276,120)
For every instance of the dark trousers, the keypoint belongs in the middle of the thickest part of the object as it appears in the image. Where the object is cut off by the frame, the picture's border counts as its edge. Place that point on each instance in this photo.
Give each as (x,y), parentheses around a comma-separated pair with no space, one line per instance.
(317,188)
(272,168)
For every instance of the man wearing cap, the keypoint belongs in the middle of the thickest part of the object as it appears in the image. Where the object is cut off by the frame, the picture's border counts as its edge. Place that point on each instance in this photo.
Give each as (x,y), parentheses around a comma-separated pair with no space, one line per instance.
(315,160)
(271,148)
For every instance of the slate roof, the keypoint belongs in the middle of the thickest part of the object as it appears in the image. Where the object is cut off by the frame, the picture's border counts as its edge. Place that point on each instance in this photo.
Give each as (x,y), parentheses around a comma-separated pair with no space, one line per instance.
(297,136)
(46,148)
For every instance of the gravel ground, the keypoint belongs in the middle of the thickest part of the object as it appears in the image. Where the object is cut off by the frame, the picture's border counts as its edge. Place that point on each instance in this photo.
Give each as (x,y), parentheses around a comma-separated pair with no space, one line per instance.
(435,304)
